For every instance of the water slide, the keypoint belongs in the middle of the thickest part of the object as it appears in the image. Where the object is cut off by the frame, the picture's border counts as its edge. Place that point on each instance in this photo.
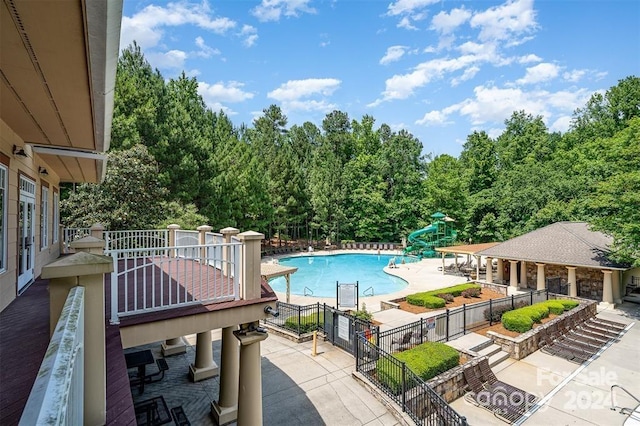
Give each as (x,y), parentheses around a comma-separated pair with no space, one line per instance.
(419,244)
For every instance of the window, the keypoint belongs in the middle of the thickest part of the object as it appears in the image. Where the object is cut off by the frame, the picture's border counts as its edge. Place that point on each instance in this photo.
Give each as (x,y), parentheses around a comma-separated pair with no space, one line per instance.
(44,218)
(3,218)
(56,215)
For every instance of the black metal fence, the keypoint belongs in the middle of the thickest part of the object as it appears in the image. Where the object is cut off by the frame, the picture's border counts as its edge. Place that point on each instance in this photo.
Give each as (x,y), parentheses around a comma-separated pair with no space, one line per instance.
(454,322)
(421,403)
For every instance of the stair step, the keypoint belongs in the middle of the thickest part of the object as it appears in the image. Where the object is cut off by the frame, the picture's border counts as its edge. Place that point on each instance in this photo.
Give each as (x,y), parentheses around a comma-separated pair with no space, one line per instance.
(497,358)
(490,350)
(481,346)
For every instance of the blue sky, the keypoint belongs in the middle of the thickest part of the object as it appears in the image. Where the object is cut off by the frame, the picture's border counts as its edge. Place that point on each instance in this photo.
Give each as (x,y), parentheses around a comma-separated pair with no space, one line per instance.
(439,69)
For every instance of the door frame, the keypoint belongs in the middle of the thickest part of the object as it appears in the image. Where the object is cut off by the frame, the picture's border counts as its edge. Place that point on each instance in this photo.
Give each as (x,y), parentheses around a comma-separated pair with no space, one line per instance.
(26,257)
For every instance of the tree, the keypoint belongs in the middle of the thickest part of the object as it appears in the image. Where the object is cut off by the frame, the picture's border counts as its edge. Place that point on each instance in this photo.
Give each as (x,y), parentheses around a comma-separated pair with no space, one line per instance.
(130,197)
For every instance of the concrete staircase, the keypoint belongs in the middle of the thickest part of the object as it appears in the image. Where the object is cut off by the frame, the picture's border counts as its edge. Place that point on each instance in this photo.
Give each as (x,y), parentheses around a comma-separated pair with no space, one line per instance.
(494,352)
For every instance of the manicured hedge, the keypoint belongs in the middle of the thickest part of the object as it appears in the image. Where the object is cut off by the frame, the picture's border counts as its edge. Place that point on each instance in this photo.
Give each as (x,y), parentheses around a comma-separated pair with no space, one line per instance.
(430,299)
(308,323)
(522,320)
(425,361)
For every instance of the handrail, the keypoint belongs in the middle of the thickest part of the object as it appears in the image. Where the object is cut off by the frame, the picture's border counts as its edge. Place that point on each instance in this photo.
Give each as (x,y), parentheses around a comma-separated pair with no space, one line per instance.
(310,291)
(364,293)
(622,409)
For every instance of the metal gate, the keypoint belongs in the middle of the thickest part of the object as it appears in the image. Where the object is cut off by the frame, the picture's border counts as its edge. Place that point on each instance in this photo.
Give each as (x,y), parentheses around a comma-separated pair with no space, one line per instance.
(341,329)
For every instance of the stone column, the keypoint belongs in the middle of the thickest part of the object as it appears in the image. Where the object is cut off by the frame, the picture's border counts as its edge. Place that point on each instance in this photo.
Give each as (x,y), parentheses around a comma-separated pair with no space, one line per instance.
(225,410)
(443,253)
(203,366)
(607,286)
(523,275)
(573,286)
(250,383)
(86,270)
(617,290)
(478,260)
(227,233)
(500,270)
(97,231)
(173,228)
(489,277)
(88,244)
(202,240)
(541,282)
(250,286)
(173,346)
(513,274)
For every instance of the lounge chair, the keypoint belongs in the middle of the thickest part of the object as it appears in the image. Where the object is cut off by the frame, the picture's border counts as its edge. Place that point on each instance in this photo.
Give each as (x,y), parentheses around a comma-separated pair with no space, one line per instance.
(516,395)
(480,396)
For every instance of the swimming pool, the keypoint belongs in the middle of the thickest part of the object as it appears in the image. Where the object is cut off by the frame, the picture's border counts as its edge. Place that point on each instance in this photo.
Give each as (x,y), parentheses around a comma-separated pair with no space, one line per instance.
(320,274)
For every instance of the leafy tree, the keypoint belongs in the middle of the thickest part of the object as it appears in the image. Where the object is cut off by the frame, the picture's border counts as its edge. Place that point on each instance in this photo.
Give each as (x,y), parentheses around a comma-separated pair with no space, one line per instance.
(129,198)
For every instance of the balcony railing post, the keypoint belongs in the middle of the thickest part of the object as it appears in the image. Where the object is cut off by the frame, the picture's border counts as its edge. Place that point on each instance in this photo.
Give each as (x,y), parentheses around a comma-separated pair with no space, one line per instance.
(227,233)
(250,286)
(172,229)
(202,241)
(86,270)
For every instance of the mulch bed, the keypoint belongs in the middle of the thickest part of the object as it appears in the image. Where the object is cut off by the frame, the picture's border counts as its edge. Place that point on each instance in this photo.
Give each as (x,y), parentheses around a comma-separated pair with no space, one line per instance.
(457,301)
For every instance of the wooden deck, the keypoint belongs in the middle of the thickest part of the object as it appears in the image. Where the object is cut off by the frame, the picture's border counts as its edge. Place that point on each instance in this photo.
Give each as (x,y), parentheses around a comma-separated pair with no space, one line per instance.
(24,336)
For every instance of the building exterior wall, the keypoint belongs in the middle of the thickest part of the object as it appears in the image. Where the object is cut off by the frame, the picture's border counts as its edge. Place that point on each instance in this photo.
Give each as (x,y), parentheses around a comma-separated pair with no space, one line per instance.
(28,167)
(589,280)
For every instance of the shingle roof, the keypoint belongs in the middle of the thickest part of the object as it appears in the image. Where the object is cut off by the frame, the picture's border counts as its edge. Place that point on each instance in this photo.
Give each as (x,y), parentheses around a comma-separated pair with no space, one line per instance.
(561,243)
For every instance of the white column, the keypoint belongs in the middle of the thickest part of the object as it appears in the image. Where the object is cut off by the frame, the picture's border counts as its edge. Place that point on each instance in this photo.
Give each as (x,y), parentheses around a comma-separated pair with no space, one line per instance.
(513,273)
(541,282)
(617,291)
(478,259)
(500,270)
(203,366)
(443,253)
(225,410)
(250,286)
(173,228)
(250,383)
(607,287)
(523,274)
(573,287)
(489,277)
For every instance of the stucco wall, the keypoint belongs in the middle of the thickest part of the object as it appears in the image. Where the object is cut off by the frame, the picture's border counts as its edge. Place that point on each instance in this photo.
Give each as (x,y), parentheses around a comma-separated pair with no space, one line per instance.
(27,167)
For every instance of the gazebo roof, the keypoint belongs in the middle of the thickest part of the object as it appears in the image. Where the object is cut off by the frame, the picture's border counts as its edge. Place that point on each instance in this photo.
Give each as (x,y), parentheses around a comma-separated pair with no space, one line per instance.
(561,243)
(274,270)
(466,249)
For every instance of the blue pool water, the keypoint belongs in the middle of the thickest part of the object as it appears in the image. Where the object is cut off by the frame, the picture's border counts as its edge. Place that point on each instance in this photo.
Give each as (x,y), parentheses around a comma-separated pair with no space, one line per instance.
(320,274)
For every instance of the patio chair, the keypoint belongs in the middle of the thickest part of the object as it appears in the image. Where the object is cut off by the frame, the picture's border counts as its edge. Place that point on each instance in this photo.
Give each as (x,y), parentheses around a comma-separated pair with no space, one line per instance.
(610,324)
(482,397)
(598,328)
(521,397)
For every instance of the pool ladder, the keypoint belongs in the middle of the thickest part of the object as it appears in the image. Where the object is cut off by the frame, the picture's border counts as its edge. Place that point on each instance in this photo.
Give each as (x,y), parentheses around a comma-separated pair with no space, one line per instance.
(370,290)
(308,291)
(623,410)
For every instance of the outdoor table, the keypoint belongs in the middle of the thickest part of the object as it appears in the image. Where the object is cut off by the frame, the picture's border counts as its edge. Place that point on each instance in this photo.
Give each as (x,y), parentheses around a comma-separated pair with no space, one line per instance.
(153,411)
(139,360)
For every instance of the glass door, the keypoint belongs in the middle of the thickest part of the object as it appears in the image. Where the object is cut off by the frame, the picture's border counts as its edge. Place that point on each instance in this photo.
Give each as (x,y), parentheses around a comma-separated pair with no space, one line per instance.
(26,233)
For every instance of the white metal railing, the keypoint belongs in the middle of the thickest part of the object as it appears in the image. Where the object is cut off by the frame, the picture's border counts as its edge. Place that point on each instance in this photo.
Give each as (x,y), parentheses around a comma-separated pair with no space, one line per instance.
(57,396)
(69,235)
(156,278)
(187,238)
(134,239)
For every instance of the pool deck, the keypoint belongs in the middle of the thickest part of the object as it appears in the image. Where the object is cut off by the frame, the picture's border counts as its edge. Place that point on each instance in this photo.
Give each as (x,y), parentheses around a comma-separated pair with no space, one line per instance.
(420,276)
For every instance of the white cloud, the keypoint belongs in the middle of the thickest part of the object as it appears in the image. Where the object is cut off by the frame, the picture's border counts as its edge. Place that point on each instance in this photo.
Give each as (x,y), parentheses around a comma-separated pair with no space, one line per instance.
(145,27)
(562,124)
(433,118)
(218,94)
(405,23)
(250,35)
(527,59)
(394,53)
(447,22)
(539,73)
(468,74)
(205,51)
(306,95)
(173,59)
(293,90)
(272,10)
(574,76)
(402,7)
(508,21)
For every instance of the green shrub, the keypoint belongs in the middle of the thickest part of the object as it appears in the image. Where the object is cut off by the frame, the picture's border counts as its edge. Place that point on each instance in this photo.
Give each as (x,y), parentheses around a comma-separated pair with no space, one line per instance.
(428,298)
(425,361)
(536,311)
(495,313)
(308,323)
(568,304)
(555,307)
(446,297)
(517,321)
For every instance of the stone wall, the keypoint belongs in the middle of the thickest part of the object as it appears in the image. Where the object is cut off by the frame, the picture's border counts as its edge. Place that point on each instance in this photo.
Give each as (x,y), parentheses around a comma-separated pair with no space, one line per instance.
(527,343)
(451,385)
(384,305)
(498,288)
